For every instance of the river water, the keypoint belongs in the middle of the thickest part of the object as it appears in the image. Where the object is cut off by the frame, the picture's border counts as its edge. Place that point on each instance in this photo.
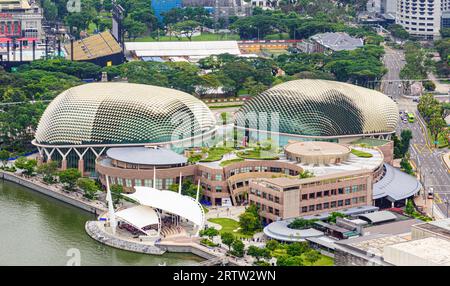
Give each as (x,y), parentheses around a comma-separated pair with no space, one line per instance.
(38,230)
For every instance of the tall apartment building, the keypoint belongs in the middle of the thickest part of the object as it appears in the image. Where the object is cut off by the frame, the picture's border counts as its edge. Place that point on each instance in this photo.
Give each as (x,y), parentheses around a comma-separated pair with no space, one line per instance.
(421,18)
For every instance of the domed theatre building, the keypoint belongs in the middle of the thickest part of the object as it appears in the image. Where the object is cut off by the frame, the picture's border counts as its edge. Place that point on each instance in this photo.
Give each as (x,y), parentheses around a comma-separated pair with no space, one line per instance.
(83,122)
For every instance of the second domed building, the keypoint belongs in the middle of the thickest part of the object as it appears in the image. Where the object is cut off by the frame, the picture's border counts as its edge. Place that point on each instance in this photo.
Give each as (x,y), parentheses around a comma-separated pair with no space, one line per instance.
(320,109)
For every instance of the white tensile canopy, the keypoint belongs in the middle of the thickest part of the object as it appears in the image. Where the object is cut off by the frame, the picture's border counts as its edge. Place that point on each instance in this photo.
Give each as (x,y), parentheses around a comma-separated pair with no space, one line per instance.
(171,202)
(139,216)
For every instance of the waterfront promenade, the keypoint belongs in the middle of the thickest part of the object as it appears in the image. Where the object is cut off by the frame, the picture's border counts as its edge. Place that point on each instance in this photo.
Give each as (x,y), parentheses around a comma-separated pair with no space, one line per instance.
(56,191)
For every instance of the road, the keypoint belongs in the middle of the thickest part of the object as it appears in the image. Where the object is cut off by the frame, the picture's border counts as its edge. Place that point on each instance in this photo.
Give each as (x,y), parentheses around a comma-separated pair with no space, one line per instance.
(428,160)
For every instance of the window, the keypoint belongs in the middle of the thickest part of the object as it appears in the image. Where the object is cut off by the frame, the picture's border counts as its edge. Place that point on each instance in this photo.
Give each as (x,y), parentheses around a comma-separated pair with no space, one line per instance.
(218,177)
(326,205)
(333,204)
(347,202)
(318,194)
(138,182)
(362,199)
(311,195)
(304,197)
(341,191)
(326,193)
(319,207)
(218,189)
(277,200)
(333,192)
(159,184)
(277,212)
(311,208)
(354,189)
(304,209)
(264,195)
(271,210)
(347,190)
(148,183)
(340,203)
(119,181)
(354,201)
(169,182)
(128,183)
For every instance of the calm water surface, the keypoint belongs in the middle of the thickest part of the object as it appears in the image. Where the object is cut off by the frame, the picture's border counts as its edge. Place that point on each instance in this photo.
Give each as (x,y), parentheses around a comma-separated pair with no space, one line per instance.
(38,230)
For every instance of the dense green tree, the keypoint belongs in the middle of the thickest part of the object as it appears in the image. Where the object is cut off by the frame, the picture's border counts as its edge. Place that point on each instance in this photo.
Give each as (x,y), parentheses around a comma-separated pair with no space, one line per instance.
(69,178)
(88,186)
(185,28)
(287,260)
(27,165)
(312,256)
(4,156)
(297,248)
(258,252)
(227,239)
(48,170)
(272,244)
(238,248)
(116,193)
(209,232)
(398,31)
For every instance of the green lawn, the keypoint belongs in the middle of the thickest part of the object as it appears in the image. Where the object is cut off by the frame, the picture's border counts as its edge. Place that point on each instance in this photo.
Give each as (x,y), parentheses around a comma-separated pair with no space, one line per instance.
(228,162)
(229,225)
(225,106)
(202,37)
(323,261)
(216,154)
(258,155)
(361,154)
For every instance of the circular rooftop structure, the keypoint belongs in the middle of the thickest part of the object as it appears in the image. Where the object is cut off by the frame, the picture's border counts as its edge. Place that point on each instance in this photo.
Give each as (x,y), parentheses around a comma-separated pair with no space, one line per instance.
(319,108)
(315,152)
(122,113)
(146,156)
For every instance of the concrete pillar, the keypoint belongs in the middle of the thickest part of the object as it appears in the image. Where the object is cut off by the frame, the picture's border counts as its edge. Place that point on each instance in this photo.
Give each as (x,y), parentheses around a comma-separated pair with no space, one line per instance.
(81,166)
(63,164)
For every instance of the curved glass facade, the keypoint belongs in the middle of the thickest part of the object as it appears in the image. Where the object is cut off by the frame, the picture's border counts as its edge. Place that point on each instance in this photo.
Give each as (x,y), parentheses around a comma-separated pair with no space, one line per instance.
(319,108)
(117,113)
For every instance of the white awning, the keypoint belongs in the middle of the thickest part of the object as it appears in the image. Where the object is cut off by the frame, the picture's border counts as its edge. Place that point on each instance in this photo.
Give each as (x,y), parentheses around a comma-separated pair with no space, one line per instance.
(171,202)
(138,216)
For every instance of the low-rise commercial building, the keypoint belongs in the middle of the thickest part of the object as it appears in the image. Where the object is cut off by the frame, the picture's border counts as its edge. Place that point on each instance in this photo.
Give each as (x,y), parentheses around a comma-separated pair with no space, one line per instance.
(283,198)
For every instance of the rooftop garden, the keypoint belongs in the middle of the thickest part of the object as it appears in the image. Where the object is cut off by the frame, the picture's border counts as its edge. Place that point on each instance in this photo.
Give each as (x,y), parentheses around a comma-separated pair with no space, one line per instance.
(259,152)
(215,153)
(231,161)
(370,142)
(361,154)
(301,223)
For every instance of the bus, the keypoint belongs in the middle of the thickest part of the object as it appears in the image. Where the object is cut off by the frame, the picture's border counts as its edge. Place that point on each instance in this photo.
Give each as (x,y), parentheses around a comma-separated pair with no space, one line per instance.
(410,117)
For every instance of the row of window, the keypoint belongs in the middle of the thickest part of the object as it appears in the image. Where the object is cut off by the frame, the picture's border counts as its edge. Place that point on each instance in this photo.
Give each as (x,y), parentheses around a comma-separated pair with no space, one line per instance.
(159,183)
(265,195)
(218,177)
(417,24)
(333,204)
(265,208)
(339,191)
